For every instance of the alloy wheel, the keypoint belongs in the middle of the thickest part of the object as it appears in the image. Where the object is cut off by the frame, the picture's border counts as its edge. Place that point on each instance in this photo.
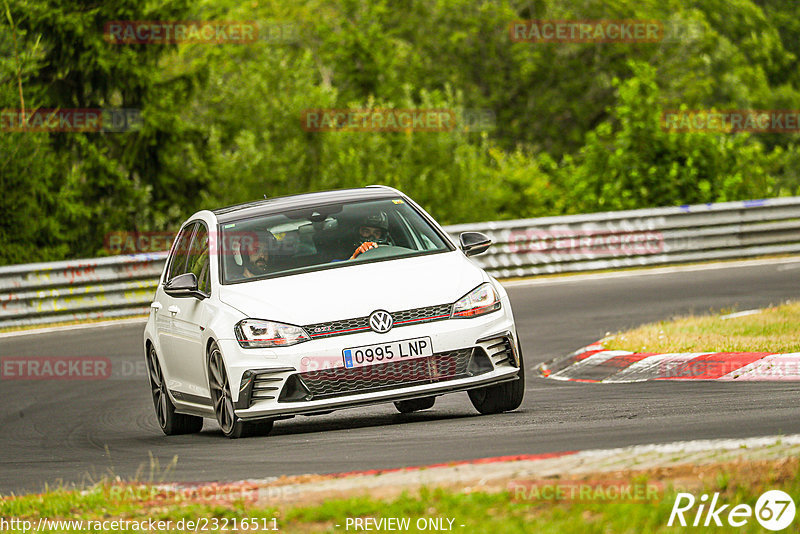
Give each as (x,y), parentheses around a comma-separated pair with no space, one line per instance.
(158,387)
(221,392)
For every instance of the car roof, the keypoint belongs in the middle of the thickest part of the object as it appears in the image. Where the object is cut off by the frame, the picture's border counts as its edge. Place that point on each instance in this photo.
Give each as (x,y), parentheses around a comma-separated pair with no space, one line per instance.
(305,200)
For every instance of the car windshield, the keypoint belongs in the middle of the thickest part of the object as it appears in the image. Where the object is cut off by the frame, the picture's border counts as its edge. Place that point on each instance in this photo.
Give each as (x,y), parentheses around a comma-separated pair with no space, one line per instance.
(324,237)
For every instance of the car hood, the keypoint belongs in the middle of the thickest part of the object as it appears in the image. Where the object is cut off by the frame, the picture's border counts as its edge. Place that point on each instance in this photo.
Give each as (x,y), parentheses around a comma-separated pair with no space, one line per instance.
(357,290)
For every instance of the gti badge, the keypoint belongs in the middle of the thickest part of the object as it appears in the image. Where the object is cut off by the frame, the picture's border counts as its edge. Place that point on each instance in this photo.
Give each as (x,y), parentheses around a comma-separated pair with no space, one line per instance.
(381,321)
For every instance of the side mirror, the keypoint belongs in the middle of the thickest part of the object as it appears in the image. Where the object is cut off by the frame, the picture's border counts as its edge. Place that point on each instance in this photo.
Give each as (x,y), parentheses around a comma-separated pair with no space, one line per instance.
(184,285)
(473,243)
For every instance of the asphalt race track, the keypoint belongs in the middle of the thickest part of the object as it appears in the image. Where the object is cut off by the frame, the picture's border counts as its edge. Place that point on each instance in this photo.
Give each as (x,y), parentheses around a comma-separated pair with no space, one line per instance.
(79,431)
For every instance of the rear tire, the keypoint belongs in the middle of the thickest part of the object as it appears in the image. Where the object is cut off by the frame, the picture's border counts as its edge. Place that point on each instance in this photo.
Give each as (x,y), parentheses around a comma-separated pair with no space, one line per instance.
(502,397)
(415,405)
(171,422)
(220,388)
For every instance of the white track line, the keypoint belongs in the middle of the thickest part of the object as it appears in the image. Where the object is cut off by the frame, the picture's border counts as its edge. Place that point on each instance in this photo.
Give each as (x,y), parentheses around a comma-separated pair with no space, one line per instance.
(567,278)
(70,327)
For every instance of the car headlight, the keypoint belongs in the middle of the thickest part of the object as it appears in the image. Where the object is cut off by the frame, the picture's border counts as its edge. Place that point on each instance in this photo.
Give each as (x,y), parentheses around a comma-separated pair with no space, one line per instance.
(255,333)
(480,301)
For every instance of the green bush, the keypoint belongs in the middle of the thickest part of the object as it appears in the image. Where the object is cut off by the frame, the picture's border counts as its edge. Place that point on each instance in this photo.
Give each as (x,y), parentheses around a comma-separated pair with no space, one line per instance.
(577,124)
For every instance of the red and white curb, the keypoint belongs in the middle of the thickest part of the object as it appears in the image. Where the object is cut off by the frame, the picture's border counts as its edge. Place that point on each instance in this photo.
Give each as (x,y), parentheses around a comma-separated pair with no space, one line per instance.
(485,474)
(501,473)
(595,364)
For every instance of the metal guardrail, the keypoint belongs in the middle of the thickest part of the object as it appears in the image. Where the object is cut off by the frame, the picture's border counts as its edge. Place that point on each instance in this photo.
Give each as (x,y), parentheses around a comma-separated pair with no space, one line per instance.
(611,240)
(41,293)
(124,285)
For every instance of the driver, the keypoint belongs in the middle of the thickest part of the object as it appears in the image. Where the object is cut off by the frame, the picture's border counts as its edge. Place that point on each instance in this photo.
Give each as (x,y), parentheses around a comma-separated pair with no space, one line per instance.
(256,256)
(373,231)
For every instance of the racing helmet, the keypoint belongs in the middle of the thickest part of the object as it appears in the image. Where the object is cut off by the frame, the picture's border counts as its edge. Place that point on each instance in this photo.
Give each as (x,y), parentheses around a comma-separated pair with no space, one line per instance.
(375,220)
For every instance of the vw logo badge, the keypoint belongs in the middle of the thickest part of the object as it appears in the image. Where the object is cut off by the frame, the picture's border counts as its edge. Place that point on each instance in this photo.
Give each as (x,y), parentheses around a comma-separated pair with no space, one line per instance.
(381,321)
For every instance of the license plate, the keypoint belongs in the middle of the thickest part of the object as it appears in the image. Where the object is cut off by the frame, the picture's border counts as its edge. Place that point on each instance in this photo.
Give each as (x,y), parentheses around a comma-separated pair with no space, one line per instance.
(407,349)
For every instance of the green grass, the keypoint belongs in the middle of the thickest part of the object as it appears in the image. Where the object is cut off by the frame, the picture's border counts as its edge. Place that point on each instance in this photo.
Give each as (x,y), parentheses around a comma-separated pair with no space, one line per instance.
(771,330)
(480,512)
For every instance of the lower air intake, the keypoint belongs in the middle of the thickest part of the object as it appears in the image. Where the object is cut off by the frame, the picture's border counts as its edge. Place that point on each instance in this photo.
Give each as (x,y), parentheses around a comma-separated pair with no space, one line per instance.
(442,366)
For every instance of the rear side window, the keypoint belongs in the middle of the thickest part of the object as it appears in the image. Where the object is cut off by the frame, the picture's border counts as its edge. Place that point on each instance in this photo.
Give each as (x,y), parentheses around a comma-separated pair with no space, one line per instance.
(180,254)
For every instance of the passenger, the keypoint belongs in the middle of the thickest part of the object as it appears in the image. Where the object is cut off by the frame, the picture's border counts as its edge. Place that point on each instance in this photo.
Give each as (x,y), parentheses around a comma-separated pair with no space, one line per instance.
(256,258)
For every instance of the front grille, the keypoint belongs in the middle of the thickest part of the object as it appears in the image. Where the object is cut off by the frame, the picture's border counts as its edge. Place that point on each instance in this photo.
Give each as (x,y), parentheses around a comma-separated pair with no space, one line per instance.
(422,315)
(442,366)
(361,324)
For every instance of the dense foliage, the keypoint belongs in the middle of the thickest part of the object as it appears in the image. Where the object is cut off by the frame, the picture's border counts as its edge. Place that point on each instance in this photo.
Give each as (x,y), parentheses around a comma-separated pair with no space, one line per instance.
(577,125)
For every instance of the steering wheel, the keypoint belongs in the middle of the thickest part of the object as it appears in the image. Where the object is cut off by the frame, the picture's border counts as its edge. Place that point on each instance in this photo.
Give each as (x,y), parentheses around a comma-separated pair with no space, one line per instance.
(381,251)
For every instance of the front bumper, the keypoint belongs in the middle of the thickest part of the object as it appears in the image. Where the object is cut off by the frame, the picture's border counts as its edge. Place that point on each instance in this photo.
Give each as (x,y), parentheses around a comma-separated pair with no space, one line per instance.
(310,377)
(392,395)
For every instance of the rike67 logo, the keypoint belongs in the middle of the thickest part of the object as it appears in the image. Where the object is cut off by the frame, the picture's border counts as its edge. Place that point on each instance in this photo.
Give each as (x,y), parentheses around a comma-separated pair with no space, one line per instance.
(774,510)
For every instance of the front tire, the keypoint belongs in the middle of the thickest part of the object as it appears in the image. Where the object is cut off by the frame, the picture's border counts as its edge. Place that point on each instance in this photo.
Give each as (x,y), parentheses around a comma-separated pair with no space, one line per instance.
(502,397)
(414,405)
(171,422)
(221,398)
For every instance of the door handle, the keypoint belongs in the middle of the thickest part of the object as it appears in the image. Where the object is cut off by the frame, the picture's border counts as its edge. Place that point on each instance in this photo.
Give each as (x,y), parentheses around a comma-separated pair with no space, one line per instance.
(174,310)
(155,306)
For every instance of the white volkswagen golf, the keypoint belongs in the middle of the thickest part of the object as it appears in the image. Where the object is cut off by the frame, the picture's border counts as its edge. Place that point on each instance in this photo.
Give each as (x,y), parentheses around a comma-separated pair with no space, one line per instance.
(311,303)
